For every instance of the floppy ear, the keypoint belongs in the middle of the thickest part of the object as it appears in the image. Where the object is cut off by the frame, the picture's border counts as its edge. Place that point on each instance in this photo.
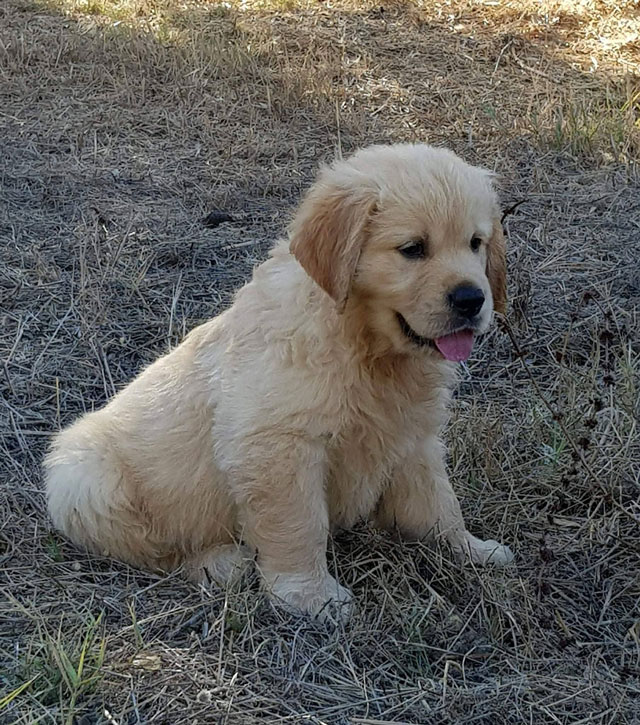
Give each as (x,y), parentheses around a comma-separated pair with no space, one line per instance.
(328,232)
(497,267)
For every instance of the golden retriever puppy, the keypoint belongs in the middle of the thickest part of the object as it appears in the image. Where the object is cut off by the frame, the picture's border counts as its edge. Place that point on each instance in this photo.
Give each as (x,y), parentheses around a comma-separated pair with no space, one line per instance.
(315,400)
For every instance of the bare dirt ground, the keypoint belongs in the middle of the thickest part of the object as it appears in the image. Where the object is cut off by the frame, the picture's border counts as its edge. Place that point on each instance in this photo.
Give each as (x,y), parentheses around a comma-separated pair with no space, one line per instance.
(122,124)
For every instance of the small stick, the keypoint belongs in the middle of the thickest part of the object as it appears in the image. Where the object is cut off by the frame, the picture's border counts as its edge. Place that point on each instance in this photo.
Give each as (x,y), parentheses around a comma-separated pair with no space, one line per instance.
(511,209)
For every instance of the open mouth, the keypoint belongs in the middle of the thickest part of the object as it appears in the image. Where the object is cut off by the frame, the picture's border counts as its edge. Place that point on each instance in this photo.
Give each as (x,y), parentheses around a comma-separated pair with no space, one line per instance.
(412,335)
(456,346)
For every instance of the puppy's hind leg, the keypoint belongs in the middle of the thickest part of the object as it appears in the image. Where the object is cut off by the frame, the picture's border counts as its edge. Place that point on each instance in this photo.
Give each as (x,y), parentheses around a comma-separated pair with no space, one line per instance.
(89,496)
(223,564)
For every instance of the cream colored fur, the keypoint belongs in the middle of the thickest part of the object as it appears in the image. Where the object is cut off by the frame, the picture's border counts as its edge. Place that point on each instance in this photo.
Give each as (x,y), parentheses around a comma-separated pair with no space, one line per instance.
(303,407)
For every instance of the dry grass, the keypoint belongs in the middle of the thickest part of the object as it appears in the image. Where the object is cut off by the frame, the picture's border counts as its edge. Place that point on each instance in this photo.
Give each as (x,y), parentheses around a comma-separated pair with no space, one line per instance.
(122,124)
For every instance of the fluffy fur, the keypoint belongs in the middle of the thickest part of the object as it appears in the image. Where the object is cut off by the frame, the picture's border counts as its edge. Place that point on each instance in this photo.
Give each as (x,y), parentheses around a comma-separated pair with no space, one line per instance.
(304,407)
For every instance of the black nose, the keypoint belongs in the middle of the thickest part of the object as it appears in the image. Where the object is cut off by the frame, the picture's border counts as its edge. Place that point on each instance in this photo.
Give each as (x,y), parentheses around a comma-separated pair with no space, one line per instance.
(466,300)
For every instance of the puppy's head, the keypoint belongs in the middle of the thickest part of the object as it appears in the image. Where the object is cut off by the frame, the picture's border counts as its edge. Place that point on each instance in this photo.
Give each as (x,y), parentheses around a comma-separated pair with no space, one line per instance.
(410,235)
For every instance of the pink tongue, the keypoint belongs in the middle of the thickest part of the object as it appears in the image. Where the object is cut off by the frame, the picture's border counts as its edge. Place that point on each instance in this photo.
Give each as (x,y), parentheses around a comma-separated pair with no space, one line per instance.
(456,347)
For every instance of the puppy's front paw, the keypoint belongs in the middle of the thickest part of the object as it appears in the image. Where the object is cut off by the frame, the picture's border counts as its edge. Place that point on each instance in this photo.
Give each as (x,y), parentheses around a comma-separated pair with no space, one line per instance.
(318,596)
(483,552)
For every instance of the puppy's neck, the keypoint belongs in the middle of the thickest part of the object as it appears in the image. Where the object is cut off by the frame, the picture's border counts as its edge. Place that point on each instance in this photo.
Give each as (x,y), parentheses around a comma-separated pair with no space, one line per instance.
(371,349)
(368,347)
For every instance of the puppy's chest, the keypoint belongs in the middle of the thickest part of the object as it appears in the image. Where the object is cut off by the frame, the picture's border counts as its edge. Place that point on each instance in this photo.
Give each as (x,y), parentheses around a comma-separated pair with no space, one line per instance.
(374,434)
(371,440)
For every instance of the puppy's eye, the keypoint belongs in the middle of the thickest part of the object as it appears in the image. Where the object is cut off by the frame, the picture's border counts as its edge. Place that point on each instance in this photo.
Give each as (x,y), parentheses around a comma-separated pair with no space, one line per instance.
(413,250)
(475,243)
